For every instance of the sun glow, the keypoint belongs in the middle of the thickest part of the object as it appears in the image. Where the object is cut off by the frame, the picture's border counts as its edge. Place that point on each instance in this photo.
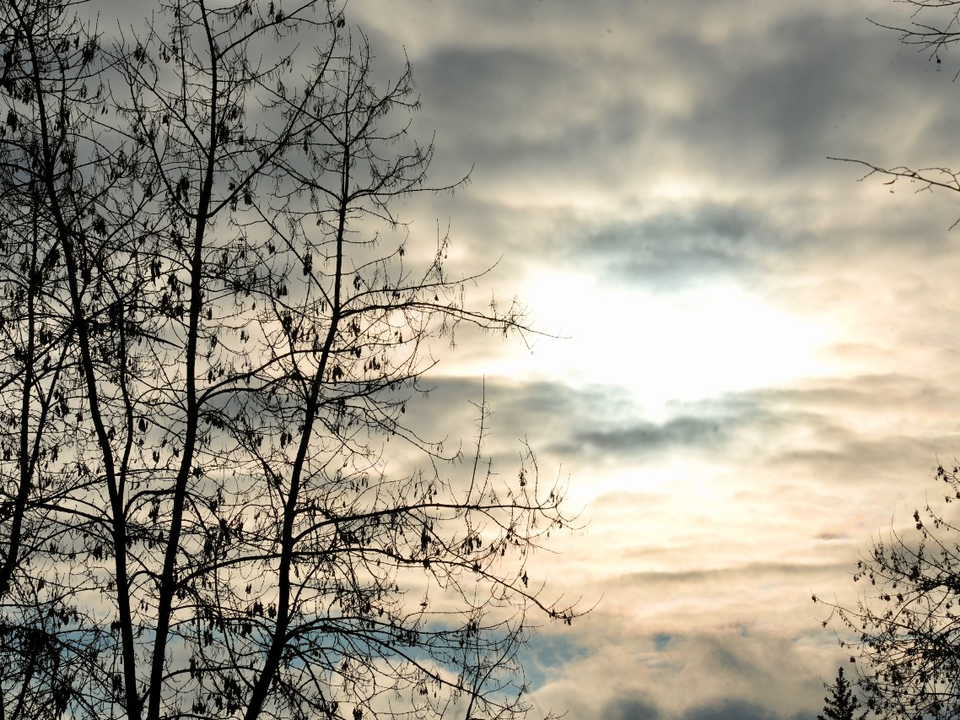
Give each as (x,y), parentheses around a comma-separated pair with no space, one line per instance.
(669,346)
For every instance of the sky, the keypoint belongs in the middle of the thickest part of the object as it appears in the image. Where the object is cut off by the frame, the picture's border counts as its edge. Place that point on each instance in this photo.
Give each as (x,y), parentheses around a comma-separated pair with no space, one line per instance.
(748,371)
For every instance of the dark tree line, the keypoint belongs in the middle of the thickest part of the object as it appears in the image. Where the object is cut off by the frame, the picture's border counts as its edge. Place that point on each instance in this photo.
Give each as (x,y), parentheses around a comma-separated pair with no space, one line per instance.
(211,326)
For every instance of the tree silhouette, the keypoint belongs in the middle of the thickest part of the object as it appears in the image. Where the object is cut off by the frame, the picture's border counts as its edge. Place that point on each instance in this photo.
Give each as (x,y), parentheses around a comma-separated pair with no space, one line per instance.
(904,630)
(934,31)
(841,703)
(213,325)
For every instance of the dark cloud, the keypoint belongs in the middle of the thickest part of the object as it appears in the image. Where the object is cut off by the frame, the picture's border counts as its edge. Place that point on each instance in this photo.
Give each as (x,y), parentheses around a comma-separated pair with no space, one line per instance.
(630,709)
(752,573)
(730,709)
(770,98)
(716,426)
(528,115)
(772,107)
(814,430)
(725,709)
(786,95)
(645,437)
(472,81)
(680,247)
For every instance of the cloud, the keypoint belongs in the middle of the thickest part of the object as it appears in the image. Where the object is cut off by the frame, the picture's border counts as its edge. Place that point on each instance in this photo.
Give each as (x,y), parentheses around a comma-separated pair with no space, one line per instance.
(662,148)
(696,155)
(731,709)
(724,674)
(771,457)
(647,436)
(630,709)
(679,247)
(724,709)
(754,573)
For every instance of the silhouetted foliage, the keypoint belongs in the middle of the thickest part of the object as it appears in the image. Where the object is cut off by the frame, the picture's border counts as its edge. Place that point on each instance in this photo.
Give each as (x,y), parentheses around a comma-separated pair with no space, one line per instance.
(905,631)
(212,327)
(842,703)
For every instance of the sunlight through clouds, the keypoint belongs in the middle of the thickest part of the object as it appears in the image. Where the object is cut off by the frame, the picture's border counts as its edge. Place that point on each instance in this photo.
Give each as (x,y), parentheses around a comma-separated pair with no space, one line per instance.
(669,346)
(749,359)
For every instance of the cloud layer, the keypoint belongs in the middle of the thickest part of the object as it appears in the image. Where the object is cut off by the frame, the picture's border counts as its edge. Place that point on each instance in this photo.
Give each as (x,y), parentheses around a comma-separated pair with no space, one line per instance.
(761,374)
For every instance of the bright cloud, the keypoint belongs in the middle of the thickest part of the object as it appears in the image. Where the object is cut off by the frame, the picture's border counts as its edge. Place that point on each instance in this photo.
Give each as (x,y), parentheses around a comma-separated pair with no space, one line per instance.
(671,346)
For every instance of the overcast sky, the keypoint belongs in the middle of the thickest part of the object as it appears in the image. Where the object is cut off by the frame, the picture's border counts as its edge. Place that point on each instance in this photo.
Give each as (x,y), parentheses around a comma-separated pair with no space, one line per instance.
(762,364)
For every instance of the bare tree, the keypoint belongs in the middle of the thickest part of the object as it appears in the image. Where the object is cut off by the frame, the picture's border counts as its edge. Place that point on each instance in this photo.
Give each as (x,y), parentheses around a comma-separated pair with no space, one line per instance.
(934,29)
(905,630)
(50,641)
(213,327)
(934,26)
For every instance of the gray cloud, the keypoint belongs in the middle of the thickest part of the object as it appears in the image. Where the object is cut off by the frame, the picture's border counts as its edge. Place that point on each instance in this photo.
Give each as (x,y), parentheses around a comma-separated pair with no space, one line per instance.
(680,247)
(543,100)
(825,414)
(811,431)
(725,674)
(575,115)
(731,709)
(630,709)
(769,94)
(647,436)
(777,104)
(752,573)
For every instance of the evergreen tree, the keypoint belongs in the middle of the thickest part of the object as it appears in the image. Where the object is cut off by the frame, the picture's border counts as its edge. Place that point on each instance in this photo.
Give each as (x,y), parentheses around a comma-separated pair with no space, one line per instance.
(841,703)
